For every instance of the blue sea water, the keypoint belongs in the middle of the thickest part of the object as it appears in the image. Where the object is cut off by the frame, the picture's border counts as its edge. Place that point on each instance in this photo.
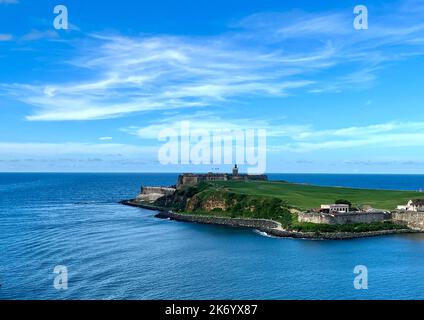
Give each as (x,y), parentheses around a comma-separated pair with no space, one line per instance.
(118,252)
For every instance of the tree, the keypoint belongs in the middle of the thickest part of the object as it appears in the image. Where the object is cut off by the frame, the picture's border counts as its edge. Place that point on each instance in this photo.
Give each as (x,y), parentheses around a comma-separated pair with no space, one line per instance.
(343,201)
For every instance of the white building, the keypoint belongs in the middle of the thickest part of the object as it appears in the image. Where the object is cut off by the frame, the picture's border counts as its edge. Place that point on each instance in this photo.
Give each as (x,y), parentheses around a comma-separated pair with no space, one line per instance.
(335,208)
(413,205)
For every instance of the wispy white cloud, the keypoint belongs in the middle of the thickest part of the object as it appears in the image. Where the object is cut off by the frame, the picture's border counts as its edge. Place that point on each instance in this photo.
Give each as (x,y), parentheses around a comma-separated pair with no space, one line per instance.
(5,37)
(37,35)
(75,156)
(385,135)
(215,123)
(148,74)
(379,141)
(9,1)
(286,136)
(295,138)
(264,55)
(75,150)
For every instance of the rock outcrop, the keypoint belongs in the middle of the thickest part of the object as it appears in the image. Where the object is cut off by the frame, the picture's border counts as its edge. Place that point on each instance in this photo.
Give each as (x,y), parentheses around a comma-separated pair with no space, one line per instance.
(274,228)
(414,220)
(151,194)
(343,218)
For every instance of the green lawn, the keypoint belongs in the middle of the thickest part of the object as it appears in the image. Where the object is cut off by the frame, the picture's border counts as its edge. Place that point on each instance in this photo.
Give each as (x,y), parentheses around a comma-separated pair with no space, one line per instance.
(305,196)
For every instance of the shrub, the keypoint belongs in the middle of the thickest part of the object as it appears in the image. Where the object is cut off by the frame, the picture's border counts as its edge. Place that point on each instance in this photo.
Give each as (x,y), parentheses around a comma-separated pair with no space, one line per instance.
(343,201)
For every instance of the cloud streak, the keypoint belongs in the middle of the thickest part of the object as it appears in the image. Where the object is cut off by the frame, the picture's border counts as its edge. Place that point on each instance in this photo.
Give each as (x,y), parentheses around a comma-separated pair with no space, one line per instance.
(39,35)
(75,157)
(5,37)
(9,1)
(39,149)
(214,123)
(385,135)
(160,73)
(285,137)
(266,55)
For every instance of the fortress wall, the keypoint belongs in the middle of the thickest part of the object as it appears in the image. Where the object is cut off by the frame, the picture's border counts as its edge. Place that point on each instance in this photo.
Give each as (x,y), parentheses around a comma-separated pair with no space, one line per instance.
(261,177)
(414,220)
(272,227)
(191,179)
(346,218)
(313,217)
(187,180)
(164,190)
(151,194)
(234,222)
(366,217)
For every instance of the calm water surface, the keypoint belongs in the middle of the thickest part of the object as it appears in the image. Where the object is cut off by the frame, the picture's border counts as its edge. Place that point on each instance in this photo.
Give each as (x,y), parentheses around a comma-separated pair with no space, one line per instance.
(118,252)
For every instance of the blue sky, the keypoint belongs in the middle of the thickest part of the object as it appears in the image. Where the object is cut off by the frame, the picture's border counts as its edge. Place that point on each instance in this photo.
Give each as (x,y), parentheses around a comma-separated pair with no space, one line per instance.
(94,98)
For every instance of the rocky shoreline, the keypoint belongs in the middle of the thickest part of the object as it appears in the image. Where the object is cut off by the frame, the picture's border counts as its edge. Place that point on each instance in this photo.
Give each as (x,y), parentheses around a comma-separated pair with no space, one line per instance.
(334,235)
(269,227)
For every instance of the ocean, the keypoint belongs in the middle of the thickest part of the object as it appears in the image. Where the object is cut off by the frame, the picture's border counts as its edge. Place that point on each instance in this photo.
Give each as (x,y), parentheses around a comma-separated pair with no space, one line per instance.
(113,251)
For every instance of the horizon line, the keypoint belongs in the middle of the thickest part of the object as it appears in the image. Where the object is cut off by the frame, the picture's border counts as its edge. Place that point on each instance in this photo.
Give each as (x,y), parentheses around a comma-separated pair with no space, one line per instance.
(199,172)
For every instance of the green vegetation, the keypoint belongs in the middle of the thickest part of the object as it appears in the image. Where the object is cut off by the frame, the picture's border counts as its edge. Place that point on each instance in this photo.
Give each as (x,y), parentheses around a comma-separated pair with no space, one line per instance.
(241,206)
(279,201)
(305,197)
(357,227)
(343,201)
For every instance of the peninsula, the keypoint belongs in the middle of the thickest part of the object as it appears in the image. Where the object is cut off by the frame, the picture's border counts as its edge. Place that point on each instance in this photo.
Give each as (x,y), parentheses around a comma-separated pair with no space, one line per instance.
(284,209)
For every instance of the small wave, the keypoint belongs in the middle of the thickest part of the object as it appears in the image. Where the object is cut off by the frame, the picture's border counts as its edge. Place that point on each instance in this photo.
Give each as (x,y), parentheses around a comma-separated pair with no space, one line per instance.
(267,235)
(94,202)
(264,234)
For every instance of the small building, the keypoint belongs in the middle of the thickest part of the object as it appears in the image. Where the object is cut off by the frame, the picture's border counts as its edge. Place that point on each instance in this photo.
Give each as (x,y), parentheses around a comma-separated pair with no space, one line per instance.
(413,205)
(334,208)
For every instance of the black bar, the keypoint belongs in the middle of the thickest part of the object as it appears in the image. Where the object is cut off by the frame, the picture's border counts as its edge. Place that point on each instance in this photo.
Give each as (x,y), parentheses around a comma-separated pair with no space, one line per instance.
(215,309)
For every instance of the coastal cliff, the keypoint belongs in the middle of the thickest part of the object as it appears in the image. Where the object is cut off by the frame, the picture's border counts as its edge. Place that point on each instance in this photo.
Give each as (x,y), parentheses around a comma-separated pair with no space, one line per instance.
(273,228)
(151,194)
(205,199)
(231,204)
(413,220)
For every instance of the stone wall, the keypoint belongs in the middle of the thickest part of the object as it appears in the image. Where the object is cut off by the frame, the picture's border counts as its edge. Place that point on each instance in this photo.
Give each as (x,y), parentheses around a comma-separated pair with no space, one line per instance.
(235,222)
(414,220)
(191,179)
(151,194)
(343,218)
(273,228)
(186,181)
(333,235)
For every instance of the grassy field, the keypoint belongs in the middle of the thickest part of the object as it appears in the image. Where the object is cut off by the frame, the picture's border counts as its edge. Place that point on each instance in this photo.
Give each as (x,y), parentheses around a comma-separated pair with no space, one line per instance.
(305,196)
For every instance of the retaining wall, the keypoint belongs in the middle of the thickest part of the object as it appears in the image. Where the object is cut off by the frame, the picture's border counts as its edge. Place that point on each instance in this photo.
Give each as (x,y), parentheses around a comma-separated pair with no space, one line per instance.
(414,220)
(343,218)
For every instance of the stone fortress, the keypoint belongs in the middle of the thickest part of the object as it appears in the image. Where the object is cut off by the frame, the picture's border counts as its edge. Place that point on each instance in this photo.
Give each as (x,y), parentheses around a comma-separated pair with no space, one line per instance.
(151,194)
(191,179)
(411,214)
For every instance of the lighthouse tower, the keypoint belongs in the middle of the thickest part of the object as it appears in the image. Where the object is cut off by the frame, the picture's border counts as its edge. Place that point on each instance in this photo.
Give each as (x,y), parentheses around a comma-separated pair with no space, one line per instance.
(235,171)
